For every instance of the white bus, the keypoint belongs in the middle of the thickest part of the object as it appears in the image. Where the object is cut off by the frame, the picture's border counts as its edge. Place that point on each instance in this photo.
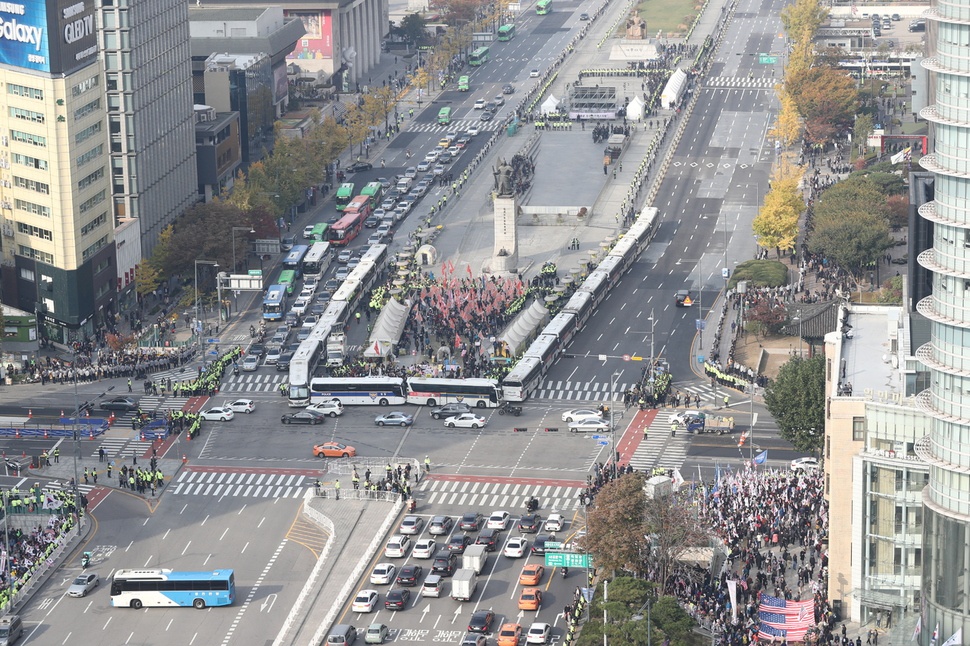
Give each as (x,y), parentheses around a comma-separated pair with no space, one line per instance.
(482,393)
(317,259)
(358,391)
(302,366)
(523,379)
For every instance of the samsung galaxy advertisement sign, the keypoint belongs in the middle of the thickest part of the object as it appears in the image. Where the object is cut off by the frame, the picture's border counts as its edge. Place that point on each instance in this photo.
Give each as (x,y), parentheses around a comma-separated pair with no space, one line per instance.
(55,36)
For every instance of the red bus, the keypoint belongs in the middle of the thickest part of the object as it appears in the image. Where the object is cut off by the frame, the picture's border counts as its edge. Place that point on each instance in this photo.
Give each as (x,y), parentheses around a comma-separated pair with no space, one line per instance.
(348,226)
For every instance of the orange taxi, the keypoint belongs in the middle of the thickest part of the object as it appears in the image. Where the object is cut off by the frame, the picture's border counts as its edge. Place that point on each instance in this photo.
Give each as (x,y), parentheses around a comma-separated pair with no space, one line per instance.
(531,574)
(333,450)
(530,599)
(508,635)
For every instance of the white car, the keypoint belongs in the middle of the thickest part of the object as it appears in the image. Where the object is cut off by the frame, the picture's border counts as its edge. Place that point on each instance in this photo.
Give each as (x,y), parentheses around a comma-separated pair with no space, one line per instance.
(383,574)
(308,231)
(682,417)
(365,601)
(397,547)
(539,633)
(217,414)
(804,464)
(472,131)
(411,525)
(250,364)
(498,520)
(589,424)
(424,165)
(555,523)
(243,406)
(307,292)
(333,408)
(516,547)
(424,548)
(384,229)
(465,420)
(300,306)
(581,413)
(310,322)
(272,355)
(534,74)
(479,105)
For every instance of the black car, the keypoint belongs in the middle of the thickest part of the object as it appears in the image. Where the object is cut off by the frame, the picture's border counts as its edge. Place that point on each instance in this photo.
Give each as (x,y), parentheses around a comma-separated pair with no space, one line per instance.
(302,417)
(530,523)
(489,538)
(357,167)
(409,576)
(471,522)
(539,544)
(507,89)
(124,404)
(372,222)
(283,363)
(481,621)
(257,350)
(397,599)
(450,410)
(486,116)
(331,285)
(458,543)
(682,298)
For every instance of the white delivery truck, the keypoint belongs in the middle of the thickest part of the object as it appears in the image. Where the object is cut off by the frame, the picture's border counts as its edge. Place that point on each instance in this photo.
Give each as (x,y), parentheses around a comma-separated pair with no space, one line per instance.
(463,585)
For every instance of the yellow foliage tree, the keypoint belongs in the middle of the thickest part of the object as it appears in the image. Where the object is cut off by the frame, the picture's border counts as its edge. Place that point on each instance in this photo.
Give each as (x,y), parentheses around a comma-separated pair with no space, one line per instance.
(788,124)
(776,224)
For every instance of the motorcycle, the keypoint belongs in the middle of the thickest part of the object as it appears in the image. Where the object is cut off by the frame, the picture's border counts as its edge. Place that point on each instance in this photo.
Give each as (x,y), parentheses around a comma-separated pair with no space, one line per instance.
(235,370)
(532,505)
(85,560)
(510,409)
(564,571)
(412,504)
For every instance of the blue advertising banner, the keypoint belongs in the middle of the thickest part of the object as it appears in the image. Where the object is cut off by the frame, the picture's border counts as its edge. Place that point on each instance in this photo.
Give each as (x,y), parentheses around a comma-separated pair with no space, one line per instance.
(55,36)
(23,35)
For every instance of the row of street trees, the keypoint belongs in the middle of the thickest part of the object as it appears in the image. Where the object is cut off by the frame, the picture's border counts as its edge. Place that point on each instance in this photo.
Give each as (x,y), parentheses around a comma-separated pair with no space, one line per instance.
(269,189)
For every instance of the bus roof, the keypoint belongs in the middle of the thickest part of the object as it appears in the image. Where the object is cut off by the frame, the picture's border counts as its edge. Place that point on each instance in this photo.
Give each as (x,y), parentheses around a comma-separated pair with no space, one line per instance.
(346,188)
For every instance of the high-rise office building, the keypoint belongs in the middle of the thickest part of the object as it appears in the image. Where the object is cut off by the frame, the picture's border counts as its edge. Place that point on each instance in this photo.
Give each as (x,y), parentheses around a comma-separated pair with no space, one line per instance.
(148,83)
(945,602)
(57,235)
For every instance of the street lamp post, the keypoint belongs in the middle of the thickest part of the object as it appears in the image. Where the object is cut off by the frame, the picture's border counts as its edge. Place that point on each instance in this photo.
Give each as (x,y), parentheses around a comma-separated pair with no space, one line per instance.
(639,617)
(76,433)
(198,321)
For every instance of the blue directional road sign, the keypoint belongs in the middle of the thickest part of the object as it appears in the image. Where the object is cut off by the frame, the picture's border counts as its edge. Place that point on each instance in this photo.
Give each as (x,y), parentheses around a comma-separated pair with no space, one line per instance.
(213,341)
(603,442)
(601,437)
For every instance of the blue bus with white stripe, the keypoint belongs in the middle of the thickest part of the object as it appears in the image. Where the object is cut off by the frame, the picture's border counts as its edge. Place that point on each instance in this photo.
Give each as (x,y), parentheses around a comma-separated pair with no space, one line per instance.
(168,588)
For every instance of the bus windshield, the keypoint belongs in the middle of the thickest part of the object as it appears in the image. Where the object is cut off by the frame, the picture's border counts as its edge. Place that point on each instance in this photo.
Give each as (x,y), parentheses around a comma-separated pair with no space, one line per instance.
(543,7)
(478,57)
(444,116)
(147,588)
(506,32)
(463,84)
(345,193)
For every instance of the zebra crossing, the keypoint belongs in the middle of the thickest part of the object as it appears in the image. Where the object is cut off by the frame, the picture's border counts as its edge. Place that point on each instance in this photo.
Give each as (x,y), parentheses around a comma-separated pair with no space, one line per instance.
(593,391)
(659,449)
(255,382)
(57,485)
(240,484)
(757,83)
(499,495)
(459,125)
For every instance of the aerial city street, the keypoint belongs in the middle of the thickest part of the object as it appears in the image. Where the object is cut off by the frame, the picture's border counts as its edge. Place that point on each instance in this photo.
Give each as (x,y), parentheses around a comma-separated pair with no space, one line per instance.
(412,419)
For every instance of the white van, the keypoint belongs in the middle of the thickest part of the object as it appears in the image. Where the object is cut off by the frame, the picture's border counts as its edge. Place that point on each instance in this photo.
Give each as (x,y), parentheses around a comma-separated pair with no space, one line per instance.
(432,586)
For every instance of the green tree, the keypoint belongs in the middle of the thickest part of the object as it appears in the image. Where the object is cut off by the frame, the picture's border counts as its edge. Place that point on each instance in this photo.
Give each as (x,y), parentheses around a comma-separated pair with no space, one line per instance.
(853,243)
(863,126)
(796,400)
(414,29)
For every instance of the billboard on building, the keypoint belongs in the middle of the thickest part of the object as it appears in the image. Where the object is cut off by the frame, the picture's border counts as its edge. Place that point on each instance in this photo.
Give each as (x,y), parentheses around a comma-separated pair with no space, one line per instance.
(317,43)
(55,36)
(280,84)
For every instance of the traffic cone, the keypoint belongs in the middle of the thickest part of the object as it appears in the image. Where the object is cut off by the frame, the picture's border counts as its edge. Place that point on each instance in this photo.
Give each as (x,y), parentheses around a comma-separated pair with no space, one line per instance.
(46,436)
(30,412)
(742,439)
(90,435)
(18,437)
(62,412)
(184,459)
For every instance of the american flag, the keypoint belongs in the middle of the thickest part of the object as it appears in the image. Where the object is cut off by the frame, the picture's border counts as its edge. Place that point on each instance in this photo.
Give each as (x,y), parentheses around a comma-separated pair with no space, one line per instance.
(785,619)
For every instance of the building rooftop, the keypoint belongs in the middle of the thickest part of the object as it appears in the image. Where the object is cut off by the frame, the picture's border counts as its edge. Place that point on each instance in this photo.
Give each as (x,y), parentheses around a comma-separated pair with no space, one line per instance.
(871,347)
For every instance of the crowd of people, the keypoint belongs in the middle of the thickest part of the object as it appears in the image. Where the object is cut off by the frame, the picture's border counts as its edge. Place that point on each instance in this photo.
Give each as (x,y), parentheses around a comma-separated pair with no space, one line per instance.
(92,363)
(30,551)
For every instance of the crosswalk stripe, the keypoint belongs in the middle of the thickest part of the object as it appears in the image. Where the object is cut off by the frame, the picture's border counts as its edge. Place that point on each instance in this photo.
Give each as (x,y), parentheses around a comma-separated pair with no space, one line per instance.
(507,495)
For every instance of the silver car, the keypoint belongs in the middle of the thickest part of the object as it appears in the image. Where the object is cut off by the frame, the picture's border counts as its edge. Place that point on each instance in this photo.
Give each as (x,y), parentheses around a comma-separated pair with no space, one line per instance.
(83,584)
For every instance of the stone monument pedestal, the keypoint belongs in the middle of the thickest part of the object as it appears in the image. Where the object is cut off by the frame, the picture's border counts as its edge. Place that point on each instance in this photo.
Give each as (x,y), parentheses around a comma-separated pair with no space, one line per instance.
(505,253)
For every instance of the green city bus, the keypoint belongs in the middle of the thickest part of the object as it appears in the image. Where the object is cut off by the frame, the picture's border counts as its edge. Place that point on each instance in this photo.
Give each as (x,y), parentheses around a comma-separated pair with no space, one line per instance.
(374,191)
(543,7)
(319,232)
(344,194)
(444,116)
(288,280)
(506,32)
(478,57)
(462,83)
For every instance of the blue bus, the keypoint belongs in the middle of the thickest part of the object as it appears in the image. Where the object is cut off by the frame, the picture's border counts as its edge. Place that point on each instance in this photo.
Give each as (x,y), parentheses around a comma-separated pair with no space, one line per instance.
(167,588)
(294,259)
(274,303)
